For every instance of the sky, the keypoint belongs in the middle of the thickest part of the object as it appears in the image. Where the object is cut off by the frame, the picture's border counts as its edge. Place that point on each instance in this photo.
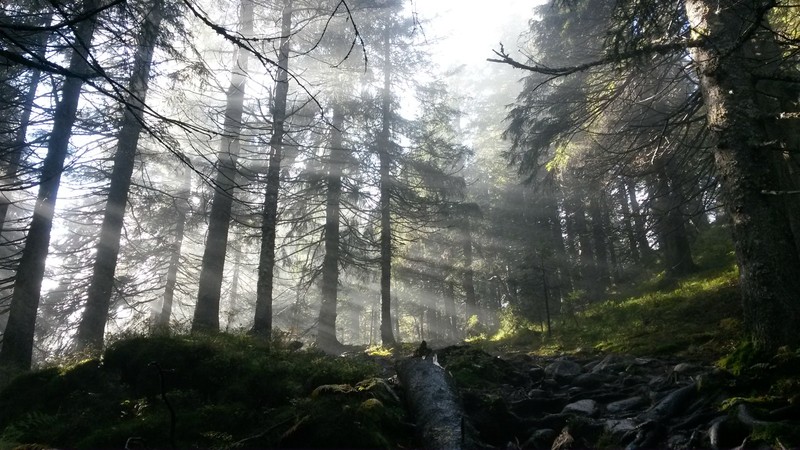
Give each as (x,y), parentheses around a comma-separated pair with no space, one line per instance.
(466,31)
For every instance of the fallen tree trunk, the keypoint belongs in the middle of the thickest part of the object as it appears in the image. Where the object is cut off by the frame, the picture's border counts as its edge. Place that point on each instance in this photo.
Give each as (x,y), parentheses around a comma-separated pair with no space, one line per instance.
(433,401)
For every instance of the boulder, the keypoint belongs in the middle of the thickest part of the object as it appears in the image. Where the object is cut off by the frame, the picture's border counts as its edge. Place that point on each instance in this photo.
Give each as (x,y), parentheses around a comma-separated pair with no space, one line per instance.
(625,405)
(541,439)
(563,370)
(672,404)
(587,408)
(611,364)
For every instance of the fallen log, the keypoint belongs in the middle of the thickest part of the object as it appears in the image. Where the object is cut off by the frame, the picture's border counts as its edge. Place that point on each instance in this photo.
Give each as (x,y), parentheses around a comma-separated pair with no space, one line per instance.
(433,401)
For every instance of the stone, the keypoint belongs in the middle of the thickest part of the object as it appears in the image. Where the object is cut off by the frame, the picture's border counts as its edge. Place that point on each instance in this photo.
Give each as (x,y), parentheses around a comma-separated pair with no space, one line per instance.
(625,405)
(563,370)
(727,432)
(538,406)
(617,428)
(536,374)
(538,393)
(541,439)
(611,364)
(586,408)
(673,403)
(589,380)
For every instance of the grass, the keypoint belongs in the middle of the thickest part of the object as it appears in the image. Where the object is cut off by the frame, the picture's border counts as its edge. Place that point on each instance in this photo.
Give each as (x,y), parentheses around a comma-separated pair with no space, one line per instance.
(697,318)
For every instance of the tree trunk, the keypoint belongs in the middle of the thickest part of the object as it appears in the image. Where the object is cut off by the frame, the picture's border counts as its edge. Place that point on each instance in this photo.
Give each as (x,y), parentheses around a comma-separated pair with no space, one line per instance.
(21,136)
(468,281)
(769,267)
(776,98)
(450,320)
(233,298)
(671,227)
(326,331)
(638,222)
(206,313)
(262,324)
(627,223)
(93,322)
(559,256)
(181,208)
(387,337)
(599,239)
(17,350)
(433,398)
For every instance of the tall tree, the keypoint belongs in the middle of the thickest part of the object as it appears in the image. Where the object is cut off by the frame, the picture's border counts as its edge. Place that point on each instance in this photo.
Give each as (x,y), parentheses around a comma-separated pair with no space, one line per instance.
(769,266)
(718,39)
(262,324)
(384,152)
(18,143)
(326,328)
(17,350)
(181,204)
(93,322)
(206,313)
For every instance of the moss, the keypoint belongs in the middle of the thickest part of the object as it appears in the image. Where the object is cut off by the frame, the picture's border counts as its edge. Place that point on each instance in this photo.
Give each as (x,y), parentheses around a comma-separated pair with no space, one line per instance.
(776,434)
(222,388)
(742,358)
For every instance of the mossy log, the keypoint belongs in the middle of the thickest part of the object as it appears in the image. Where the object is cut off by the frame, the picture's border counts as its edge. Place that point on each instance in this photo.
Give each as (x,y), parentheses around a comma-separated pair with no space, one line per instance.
(433,401)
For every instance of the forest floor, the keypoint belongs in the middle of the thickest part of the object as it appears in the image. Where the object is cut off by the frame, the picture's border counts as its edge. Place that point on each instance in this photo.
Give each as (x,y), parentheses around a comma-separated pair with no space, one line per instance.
(659,367)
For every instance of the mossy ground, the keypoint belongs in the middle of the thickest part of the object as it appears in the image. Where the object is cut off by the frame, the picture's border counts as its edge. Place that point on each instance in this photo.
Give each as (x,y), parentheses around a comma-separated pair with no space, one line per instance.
(695,317)
(224,391)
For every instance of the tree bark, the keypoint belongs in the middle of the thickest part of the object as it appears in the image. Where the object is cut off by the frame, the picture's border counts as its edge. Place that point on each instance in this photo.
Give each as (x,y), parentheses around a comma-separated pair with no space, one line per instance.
(326,329)
(262,324)
(671,226)
(769,268)
(434,403)
(93,321)
(638,222)
(206,313)
(387,337)
(181,208)
(627,222)
(599,239)
(20,139)
(468,280)
(451,321)
(17,350)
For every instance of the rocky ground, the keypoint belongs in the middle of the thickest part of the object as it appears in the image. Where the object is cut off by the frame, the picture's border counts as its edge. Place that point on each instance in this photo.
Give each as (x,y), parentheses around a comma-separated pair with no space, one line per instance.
(613,401)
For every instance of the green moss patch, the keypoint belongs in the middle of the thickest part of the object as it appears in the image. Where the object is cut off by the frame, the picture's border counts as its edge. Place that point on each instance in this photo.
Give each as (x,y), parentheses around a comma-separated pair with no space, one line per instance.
(216,391)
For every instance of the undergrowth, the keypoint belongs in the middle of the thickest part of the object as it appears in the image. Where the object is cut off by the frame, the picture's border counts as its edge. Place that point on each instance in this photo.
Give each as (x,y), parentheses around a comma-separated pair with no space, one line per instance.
(207,391)
(695,317)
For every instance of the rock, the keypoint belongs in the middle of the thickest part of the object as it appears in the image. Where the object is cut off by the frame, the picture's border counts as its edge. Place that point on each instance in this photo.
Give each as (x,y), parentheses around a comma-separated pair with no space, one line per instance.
(625,405)
(538,393)
(619,427)
(541,439)
(538,406)
(587,408)
(563,370)
(648,436)
(684,368)
(589,380)
(536,374)
(727,432)
(611,364)
(553,421)
(672,404)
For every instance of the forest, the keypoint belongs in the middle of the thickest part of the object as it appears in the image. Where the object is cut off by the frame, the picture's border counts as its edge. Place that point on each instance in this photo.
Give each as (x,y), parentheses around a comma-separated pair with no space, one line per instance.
(317,223)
